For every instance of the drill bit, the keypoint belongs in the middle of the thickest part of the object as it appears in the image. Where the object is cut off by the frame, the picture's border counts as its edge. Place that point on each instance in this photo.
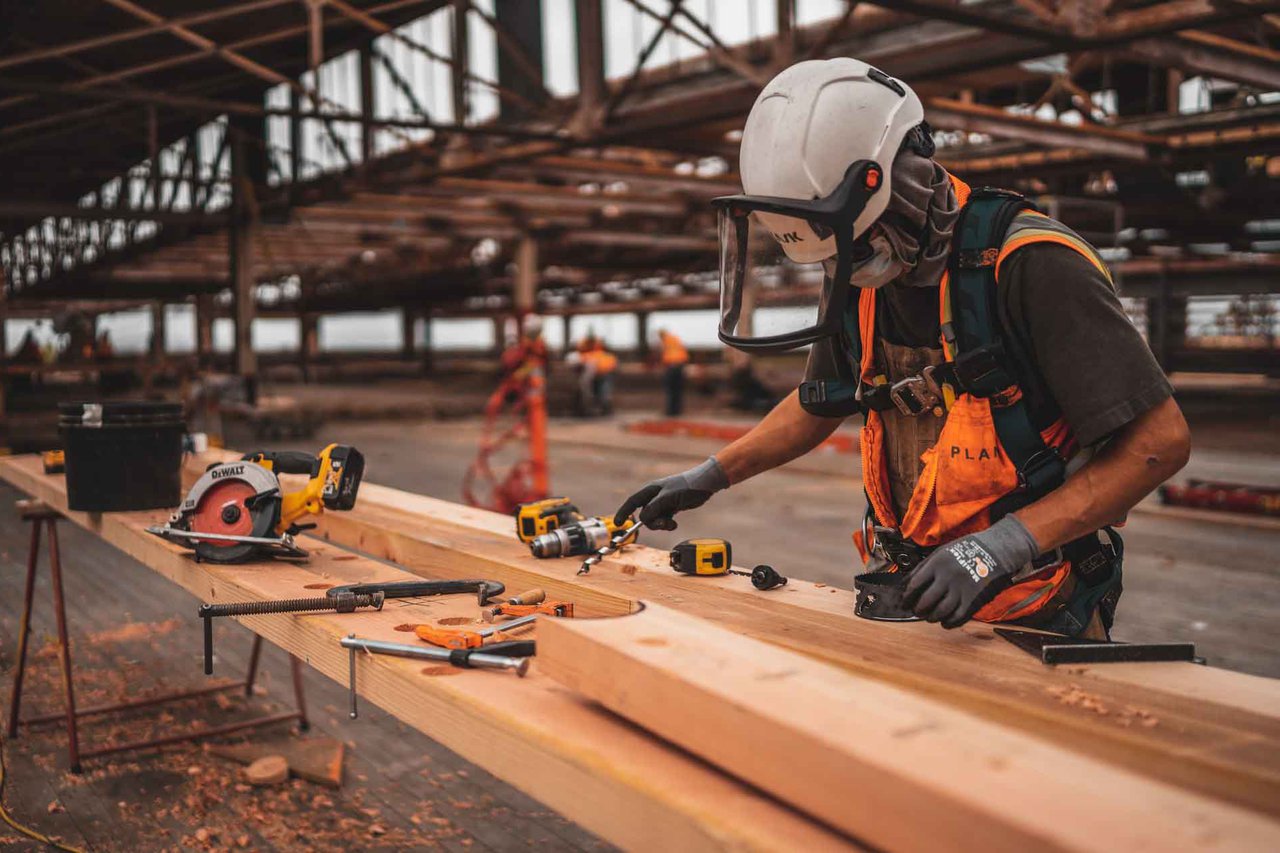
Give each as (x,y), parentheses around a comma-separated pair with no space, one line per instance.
(614,544)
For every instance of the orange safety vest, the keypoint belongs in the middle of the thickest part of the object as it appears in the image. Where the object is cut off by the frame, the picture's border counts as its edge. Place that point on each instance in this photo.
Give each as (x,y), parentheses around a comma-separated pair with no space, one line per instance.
(673,351)
(605,361)
(967,470)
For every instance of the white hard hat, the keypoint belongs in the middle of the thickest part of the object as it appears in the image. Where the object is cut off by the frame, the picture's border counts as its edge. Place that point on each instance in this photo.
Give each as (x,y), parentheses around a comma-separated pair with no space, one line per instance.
(809,124)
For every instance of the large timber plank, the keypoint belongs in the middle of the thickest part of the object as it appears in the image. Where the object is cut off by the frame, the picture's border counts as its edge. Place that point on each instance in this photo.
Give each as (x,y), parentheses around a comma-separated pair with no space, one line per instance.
(565,751)
(1206,729)
(900,771)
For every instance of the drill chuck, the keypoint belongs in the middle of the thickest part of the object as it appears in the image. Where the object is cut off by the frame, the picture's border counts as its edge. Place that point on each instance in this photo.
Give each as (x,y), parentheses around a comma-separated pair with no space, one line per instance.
(572,540)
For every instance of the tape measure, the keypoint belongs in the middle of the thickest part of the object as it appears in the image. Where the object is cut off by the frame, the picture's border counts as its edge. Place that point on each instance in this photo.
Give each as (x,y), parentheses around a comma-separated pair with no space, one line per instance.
(710,557)
(702,557)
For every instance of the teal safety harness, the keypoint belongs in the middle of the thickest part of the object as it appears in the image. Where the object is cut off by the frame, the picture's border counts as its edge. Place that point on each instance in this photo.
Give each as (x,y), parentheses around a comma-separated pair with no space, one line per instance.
(982,355)
(982,367)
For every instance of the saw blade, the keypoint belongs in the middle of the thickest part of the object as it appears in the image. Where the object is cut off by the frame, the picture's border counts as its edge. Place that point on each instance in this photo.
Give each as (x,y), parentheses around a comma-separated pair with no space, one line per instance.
(231,506)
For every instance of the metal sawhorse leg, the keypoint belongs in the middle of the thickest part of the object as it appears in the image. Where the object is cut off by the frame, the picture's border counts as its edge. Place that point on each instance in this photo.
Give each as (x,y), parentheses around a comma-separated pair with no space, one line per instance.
(43,516)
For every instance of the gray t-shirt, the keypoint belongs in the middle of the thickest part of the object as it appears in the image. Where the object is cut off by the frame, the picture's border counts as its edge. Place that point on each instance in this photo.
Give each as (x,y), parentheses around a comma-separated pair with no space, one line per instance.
(1084,358)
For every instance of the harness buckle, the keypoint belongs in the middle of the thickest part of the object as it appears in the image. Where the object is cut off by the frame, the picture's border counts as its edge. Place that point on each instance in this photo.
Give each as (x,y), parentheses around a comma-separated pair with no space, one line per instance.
(903,553)
(915,395)
(1042,472)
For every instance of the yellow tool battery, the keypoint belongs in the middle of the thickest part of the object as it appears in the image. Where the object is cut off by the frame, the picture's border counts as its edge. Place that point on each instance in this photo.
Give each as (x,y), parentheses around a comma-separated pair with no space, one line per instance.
(534,518)
(702,557)
(55,461)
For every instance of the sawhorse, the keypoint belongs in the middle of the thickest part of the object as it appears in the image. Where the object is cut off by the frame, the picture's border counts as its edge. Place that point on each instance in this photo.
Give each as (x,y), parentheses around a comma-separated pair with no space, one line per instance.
(41,515)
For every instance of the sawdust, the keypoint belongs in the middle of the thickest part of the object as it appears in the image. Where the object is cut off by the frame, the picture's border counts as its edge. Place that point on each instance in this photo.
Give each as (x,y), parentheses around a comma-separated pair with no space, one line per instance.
(443,669)
(318,586)
(627,569)
(346,557)
(1073,696)
(135,631)
(455,620)
(406,627)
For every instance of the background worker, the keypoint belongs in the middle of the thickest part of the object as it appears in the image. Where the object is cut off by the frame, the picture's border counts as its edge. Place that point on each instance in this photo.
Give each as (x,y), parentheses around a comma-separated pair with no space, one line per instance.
(1012,411)
(581,360)
(605,365)
(674,359)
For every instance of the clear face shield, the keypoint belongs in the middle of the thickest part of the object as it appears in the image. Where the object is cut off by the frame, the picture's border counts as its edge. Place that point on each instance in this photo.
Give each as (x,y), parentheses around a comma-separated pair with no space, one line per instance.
(785,254)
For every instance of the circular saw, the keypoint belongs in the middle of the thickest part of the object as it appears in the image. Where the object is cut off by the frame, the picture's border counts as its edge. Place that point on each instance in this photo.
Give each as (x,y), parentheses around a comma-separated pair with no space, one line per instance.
(238,511)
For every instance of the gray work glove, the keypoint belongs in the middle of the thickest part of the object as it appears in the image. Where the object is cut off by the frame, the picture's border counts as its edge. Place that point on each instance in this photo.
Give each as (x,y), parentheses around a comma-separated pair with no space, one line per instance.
(957,579)
(660,499)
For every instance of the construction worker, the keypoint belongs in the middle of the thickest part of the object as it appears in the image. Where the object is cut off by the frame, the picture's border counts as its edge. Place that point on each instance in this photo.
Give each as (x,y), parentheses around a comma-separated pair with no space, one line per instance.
(1012,411)
(604,366)
(582,359)
(674,359)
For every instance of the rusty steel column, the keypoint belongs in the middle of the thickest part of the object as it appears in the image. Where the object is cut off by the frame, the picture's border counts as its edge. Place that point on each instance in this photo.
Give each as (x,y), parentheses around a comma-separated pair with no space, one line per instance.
(590,44)
(525,283)
(461,62)
(368,104)
(521,21)
(204,329)
(158,330)
(241,244)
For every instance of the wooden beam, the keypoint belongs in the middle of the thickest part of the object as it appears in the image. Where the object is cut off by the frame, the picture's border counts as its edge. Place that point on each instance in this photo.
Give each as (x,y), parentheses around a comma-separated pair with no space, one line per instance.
(630,788)
(1207,715)
(787,724)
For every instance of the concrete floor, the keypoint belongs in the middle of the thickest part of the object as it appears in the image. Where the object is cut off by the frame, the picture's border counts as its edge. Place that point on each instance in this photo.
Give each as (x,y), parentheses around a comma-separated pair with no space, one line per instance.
(1215,584)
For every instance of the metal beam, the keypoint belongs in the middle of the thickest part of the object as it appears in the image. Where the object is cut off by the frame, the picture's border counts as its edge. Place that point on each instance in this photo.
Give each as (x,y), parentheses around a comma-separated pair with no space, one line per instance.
(978,118)
(461,63)
(211,106)
(69,48)
(1213,56)
(22,209)
(590,47)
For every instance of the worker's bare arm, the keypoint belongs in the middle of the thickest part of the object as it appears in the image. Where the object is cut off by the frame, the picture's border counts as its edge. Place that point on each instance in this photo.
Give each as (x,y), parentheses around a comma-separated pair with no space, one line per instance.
(1142,455)
(784,434)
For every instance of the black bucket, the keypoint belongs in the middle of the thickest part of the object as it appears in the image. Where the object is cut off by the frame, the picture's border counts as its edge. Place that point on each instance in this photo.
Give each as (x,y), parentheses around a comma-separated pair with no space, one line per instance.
(122,456)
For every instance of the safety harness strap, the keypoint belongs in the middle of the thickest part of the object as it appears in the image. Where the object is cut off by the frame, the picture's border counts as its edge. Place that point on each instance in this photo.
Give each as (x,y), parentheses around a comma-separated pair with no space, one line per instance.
(981,360)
